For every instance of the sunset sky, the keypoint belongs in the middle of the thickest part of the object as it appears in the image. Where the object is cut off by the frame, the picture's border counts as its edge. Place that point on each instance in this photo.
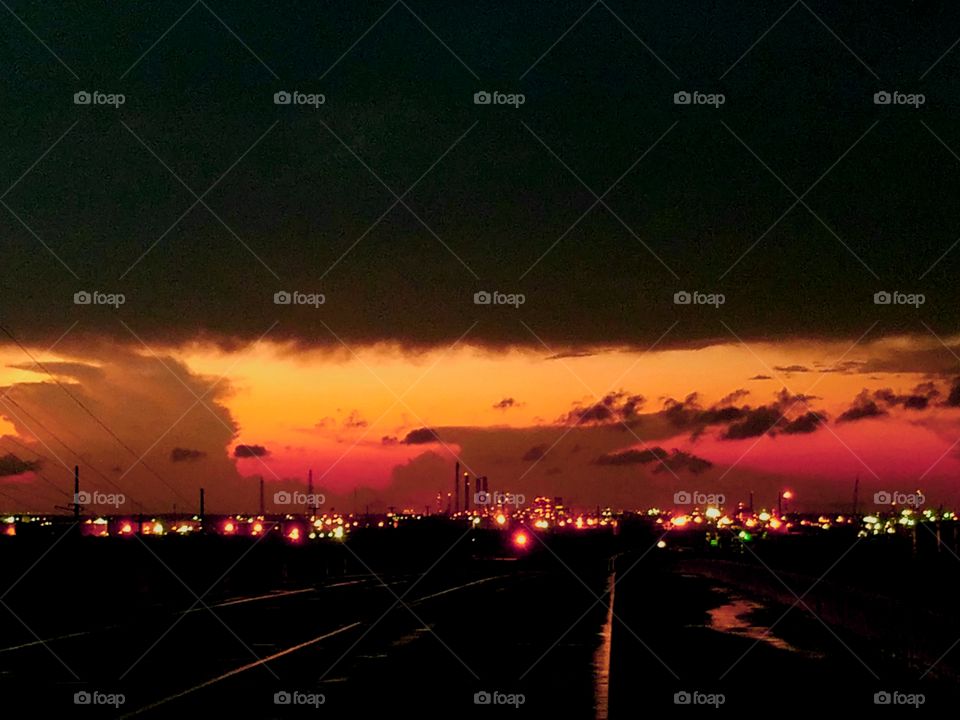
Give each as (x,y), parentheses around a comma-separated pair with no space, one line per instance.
(399,199)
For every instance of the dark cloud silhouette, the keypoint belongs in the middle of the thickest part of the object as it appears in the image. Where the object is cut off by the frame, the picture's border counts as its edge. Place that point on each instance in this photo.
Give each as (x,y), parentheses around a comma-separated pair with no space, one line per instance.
(807,423)
(756,422)
(863,407)
(953,398)
(613,407)
(354,420)
(761,377)
(791,368)
(673,461)
(179,454)
(632,457)
(506,404)
(535,453)
(420,436)
(571,354)
(389,440)
(10,464)
(250,451)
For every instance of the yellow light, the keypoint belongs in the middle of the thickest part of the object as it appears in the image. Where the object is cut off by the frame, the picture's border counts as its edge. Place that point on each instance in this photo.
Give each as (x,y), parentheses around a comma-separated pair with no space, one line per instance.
(501,519)
(661,544)
(338,532)
(158,529)
(764,516)
(712,513)
(680,520)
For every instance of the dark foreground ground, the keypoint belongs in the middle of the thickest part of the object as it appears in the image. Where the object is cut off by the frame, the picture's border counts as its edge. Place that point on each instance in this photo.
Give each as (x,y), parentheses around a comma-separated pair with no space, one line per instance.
(426,623)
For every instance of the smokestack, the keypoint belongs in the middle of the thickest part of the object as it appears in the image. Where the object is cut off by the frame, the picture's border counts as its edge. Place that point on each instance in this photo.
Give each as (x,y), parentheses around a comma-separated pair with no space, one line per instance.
(201,506)
(76,493)
(456,489)
(261,494)
(466,491)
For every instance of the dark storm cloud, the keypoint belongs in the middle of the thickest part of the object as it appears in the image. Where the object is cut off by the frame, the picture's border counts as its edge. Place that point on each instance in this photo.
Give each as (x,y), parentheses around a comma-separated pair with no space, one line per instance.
(632,457)
(303,203)
(863,407)
(250,451)
(807,423)
(673,461)
(953,398)
(613,407)
(10,464)
(354,420)
(179,454)
(535,453)
(742,421)
(756,422)
(420,436)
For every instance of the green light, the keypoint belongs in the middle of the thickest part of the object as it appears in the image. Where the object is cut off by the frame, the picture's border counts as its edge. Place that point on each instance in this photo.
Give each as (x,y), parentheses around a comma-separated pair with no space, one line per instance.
(745,536)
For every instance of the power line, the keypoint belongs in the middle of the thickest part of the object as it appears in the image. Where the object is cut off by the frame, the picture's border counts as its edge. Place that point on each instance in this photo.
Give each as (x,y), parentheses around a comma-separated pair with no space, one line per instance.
(96,419)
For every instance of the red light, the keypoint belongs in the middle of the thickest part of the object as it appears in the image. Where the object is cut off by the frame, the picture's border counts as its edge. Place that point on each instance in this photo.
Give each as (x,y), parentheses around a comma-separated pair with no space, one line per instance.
(126,529)
(520,539)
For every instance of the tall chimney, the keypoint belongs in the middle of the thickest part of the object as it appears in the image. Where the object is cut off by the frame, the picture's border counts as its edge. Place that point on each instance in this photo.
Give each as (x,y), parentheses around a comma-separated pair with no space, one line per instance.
(261,495)
(201,506)
(456,488)
(466,491)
